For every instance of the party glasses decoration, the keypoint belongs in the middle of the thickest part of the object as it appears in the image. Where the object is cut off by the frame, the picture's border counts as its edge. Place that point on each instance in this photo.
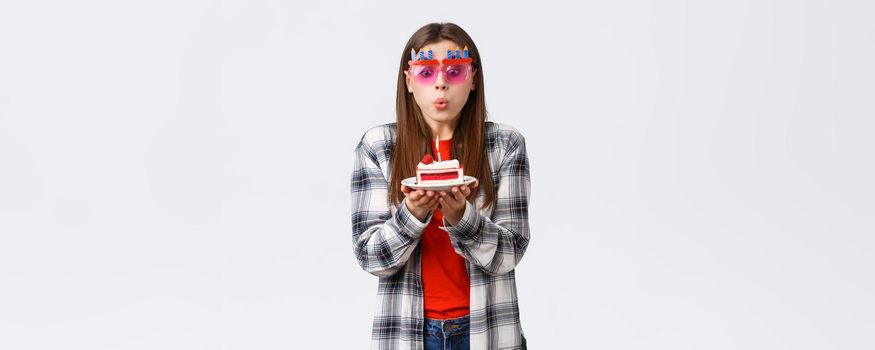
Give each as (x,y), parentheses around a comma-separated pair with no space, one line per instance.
(424,68)
(453,73)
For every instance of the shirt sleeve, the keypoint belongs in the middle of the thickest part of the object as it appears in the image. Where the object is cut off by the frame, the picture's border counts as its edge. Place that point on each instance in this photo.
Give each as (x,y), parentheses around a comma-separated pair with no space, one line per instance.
(497,245)
(382,239)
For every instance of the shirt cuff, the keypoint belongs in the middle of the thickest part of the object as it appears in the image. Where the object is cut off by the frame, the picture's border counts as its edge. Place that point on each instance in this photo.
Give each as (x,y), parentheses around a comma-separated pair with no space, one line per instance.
(409,223)
(467,228)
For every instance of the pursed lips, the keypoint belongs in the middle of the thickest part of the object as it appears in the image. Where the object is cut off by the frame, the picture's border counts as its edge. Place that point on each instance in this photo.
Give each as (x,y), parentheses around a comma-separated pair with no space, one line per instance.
(441,103)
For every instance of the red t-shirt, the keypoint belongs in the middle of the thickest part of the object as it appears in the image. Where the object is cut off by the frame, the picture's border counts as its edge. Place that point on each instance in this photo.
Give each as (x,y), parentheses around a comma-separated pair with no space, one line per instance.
(445,280)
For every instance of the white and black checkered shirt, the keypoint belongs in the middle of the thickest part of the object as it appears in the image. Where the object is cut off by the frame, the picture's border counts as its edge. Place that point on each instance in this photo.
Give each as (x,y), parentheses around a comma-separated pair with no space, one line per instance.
(385,242)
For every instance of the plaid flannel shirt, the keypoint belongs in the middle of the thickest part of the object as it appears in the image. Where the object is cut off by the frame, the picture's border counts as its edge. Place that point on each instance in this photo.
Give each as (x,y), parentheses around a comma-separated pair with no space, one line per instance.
(385,242)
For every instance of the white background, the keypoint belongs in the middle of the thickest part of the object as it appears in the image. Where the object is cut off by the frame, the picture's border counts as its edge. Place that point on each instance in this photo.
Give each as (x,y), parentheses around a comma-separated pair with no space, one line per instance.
(175,174)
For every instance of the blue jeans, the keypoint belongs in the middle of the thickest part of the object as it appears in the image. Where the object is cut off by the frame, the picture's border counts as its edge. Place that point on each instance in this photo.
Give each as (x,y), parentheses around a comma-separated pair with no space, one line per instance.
(451,334)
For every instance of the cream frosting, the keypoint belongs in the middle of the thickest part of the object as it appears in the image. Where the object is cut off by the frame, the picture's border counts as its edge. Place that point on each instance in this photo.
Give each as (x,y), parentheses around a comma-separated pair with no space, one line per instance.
(447,164)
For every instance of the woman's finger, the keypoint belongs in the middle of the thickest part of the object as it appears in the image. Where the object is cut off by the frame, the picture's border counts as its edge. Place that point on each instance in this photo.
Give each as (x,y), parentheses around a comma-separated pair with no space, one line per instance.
(466,191)
(445,195)
(416,195)
(449,199)
(449,202)
(445,202)
(412,195)
(434,201)
(426,198)
(457,194)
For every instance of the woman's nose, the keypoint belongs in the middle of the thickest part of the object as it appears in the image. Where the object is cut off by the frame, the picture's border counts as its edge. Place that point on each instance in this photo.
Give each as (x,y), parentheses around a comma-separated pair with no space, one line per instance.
(440,83)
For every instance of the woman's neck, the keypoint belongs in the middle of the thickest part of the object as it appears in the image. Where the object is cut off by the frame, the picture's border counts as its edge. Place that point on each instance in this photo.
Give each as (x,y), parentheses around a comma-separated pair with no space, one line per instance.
(442,130)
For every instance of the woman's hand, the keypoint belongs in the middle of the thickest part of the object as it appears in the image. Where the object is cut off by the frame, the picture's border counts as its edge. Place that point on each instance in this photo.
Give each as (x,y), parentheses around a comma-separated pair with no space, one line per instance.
(419,202)
(452,203)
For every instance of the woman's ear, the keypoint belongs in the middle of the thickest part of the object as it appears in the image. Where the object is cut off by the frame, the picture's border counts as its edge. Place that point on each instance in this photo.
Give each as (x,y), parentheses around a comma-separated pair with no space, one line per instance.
(407,81)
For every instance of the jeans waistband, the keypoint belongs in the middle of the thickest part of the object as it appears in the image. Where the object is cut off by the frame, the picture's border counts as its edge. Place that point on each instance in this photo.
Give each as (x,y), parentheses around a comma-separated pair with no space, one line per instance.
(449,326)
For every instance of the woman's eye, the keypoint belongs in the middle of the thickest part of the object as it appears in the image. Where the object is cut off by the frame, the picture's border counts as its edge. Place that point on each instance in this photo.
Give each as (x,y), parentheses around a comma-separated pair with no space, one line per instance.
(426,73)
(455,71)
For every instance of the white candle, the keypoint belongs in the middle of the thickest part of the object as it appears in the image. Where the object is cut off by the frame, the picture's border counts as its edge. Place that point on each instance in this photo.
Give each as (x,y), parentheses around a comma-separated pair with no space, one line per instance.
(437,145)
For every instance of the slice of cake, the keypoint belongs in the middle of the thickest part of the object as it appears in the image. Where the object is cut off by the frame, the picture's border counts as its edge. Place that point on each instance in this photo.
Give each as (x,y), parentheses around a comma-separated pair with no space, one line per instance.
(448,172)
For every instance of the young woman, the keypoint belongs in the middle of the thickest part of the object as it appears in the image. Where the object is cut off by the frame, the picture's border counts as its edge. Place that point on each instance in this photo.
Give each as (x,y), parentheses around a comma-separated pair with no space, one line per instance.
(445,259)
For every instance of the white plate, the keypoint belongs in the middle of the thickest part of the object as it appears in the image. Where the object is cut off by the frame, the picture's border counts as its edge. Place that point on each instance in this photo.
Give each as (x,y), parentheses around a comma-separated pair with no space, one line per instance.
(411,182)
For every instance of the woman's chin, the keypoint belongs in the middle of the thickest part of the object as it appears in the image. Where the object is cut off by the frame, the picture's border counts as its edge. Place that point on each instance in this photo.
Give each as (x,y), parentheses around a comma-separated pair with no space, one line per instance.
(443,114)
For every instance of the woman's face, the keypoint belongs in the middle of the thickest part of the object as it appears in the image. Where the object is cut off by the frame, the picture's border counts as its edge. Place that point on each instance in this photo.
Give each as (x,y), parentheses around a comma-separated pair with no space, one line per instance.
(440,101)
